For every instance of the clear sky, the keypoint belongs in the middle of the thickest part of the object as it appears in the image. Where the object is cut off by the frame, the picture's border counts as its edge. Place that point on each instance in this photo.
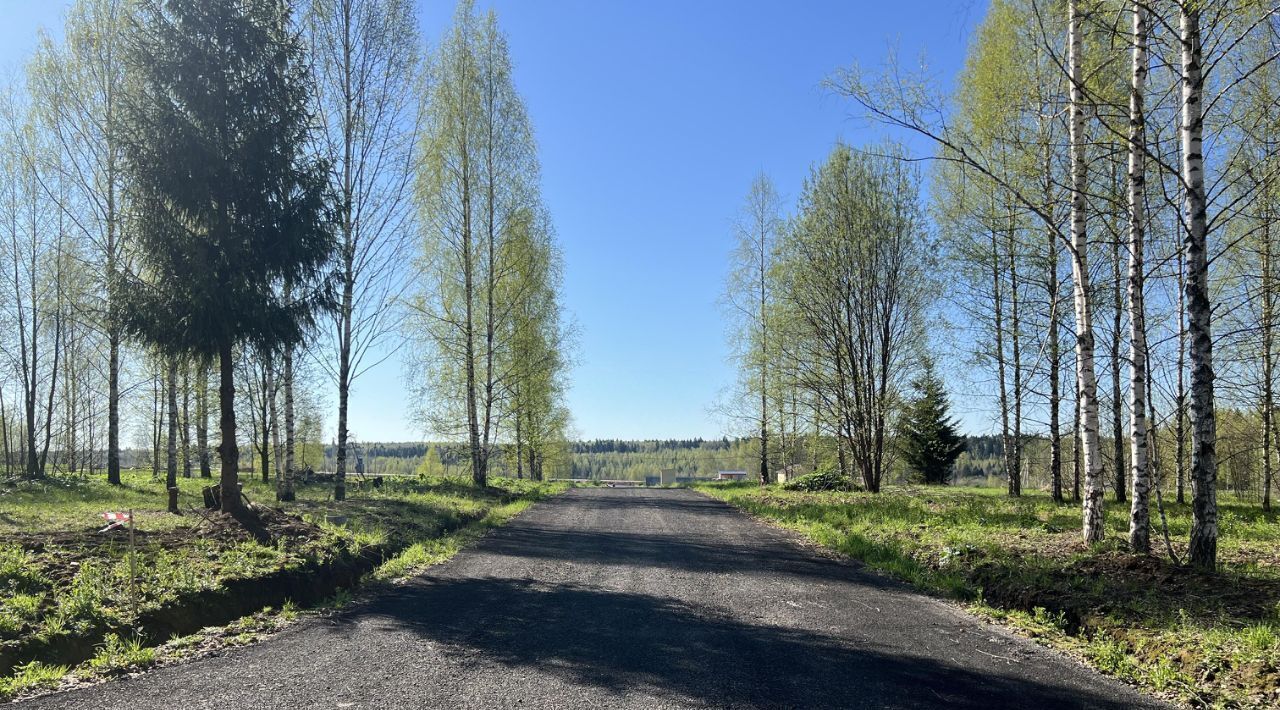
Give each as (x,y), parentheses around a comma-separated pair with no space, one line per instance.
(652,117)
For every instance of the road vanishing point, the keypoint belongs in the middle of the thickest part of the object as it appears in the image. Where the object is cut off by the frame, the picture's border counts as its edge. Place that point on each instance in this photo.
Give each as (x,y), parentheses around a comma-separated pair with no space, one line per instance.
(630,598)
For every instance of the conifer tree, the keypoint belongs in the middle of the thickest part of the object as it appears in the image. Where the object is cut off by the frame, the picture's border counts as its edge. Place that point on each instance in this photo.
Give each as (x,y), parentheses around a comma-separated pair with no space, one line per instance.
(227,203)
(930,443)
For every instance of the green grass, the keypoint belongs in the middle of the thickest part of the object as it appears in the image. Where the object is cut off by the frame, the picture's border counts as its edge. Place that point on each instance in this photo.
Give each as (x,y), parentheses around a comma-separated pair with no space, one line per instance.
(60,579)
(421,555)
(117,655)
(31,677)
(1204,639)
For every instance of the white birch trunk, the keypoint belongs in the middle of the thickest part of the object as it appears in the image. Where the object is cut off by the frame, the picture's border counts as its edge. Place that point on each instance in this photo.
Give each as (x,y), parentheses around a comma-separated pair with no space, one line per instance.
(202,419)
(186,419)
(1204,461)
(1139,510)
(1086,378)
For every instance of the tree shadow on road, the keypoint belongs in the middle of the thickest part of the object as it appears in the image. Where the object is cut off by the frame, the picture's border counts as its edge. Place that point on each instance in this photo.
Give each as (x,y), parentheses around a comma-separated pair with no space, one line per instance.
(625,643)
(700,550)
(763,556)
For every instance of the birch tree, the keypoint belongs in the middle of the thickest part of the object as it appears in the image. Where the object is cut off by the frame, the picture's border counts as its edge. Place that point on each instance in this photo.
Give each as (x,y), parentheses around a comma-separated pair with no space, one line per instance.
(34,238)
(86,74)
(171,396)
(854,268)
(202,417)
(533,408)
(1086,379)
(907,101)
(748,298)
(1203,549)
(477,181)
(1139,473)
(367,67)
(285,491)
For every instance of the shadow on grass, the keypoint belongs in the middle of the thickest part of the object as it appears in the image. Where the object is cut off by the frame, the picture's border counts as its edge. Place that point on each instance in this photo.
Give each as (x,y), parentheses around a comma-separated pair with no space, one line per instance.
(403,521)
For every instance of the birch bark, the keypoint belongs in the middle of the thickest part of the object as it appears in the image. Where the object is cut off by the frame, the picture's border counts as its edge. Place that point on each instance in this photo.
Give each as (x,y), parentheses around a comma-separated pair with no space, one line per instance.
(1204,461)
(1086,378)
(1139,509)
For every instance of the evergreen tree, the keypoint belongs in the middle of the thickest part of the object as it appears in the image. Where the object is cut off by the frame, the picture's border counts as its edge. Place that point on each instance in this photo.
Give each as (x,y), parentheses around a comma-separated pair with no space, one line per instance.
(930,443)
(227,203)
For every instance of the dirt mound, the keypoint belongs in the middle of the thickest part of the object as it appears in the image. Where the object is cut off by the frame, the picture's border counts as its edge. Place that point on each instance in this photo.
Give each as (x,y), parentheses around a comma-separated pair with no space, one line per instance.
(263,523)
(259,522)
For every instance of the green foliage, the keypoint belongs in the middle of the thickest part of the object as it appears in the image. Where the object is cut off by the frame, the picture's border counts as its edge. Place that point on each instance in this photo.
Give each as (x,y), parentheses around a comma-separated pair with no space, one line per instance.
(827,478)
(87,600)
(855,269)
(31,676)
(1111,656)
(340,600)
(488,317)
(228,200)
(17,573)
(634,460)
(430,466)
(929,441)
(17,611)
(117,655)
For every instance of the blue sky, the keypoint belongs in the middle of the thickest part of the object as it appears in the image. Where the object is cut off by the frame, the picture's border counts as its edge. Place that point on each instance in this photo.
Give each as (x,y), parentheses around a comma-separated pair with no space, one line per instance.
(652,118)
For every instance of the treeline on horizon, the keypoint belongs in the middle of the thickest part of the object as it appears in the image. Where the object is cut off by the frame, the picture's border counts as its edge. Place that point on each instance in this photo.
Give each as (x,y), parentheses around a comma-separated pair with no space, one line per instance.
(627,459)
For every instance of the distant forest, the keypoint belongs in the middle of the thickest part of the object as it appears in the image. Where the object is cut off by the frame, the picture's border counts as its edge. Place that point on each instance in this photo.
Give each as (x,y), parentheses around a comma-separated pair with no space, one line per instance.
(981,464)
(621,459)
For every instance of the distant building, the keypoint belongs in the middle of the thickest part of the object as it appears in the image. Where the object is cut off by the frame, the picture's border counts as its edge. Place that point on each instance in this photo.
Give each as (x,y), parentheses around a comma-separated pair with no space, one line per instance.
(667,476)
(731,476)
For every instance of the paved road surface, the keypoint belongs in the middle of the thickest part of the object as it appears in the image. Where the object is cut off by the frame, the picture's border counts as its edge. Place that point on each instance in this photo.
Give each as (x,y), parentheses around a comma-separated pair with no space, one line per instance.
(630,598)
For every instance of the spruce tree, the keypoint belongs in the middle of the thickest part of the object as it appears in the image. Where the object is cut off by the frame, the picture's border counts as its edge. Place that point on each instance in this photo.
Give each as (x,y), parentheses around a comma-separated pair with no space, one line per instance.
(930,443)
(227,203)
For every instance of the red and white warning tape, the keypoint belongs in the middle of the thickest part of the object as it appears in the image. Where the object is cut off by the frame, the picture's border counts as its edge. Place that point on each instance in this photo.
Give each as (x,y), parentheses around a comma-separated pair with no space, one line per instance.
(115,520)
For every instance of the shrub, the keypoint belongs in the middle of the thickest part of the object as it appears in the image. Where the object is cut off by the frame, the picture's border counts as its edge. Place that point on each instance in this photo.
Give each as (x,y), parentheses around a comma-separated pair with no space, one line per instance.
(826,478)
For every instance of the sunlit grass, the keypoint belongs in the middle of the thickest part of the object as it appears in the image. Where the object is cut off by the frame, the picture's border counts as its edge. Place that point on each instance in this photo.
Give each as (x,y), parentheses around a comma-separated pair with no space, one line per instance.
(117,655)
(29,677)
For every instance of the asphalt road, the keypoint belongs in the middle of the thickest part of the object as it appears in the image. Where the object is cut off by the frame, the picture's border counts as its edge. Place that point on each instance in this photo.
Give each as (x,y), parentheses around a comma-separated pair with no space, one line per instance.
(630,598)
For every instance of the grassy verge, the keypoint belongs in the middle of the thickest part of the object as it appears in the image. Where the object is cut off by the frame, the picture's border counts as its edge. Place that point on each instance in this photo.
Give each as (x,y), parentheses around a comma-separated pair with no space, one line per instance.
(1210,640)
(65,592)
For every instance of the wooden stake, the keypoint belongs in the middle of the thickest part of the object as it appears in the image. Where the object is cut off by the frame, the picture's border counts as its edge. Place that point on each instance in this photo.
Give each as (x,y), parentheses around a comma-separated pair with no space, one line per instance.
(133,566)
